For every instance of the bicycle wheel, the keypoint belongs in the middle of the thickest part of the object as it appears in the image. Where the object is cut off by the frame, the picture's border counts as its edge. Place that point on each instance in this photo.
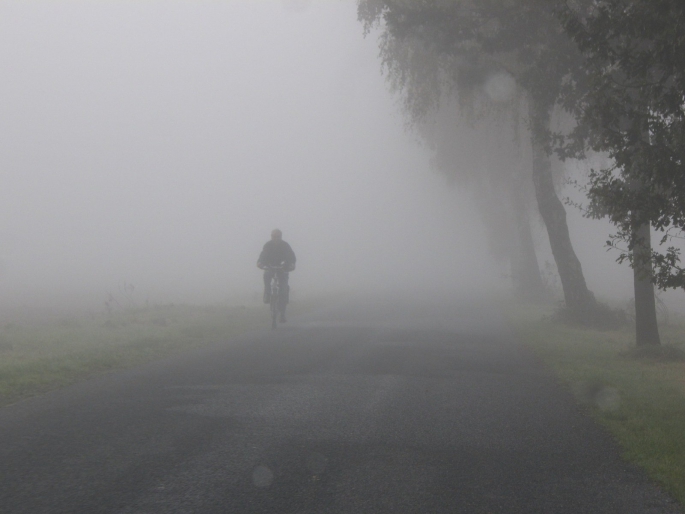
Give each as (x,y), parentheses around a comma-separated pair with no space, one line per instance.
(274,303)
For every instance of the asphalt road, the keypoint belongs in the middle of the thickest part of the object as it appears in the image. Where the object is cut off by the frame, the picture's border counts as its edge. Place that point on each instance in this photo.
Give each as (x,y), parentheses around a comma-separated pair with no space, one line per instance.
(371,407)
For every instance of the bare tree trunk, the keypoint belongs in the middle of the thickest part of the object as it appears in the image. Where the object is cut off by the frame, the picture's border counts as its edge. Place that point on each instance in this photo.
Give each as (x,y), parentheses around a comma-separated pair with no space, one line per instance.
(579,299)
(525,270)
(646,327)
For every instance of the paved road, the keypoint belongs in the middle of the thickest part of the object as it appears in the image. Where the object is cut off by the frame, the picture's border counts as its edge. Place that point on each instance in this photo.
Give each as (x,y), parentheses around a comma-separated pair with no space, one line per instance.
(373,407)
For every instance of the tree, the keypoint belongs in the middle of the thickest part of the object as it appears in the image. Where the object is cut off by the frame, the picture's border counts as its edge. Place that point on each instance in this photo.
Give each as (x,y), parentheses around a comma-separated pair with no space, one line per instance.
(628,99)
(455,45)
(485,155)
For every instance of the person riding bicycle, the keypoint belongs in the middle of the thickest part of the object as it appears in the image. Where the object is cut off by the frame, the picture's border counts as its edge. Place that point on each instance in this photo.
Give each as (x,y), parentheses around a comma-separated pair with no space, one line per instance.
(276,254)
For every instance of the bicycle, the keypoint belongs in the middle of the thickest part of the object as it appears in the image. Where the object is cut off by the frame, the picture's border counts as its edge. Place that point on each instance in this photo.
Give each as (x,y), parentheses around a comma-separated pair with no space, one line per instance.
(277,297)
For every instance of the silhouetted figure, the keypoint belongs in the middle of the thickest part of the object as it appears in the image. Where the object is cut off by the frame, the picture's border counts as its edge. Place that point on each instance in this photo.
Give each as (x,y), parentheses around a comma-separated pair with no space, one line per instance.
(277,257)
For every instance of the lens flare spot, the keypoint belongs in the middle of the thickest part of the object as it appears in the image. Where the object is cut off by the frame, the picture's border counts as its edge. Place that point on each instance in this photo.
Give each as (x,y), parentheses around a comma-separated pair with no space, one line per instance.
(262,476)
(500,87)
(608,399)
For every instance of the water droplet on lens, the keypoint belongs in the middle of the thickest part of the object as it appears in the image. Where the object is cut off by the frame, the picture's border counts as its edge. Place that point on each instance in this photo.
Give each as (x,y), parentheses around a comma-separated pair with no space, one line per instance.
(500,87)
(262,476)
(608,399)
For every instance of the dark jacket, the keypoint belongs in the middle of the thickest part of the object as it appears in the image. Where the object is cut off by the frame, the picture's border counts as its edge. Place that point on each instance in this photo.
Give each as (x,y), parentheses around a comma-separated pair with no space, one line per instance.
(276,253)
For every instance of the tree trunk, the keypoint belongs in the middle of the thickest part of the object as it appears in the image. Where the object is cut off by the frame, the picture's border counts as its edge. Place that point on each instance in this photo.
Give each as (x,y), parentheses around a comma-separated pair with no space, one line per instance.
(646,327)
(579,299)
(525,270)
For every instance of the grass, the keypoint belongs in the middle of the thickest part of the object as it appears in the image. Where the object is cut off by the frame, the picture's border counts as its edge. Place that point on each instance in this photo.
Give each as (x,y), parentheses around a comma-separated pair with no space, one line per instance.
(39,356)
(638,395)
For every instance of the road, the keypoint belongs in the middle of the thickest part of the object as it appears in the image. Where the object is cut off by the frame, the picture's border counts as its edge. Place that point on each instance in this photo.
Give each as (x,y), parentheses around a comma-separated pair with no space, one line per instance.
(374,406)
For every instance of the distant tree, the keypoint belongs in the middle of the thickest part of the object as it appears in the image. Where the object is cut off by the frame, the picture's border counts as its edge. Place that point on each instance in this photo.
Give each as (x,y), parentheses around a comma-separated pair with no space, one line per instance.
(629,102)
(484,155)
(433,46)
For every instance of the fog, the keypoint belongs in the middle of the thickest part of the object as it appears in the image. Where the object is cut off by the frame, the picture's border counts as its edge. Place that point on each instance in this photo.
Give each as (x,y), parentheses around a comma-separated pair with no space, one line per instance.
(158,143)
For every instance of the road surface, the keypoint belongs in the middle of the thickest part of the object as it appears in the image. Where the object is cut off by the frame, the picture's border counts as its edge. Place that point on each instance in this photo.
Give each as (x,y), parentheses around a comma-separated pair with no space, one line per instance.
(371,407)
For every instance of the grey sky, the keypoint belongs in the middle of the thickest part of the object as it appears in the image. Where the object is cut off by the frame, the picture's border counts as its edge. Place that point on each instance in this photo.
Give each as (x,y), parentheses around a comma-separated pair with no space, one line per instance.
(159,143)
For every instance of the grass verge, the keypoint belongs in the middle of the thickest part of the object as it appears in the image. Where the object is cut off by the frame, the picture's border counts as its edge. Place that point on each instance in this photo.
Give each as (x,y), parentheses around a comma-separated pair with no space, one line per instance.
(39,356)
(638,396)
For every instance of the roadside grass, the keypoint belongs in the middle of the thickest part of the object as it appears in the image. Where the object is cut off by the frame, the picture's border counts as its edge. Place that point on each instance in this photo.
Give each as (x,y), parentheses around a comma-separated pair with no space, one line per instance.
(639,396)
(41,355)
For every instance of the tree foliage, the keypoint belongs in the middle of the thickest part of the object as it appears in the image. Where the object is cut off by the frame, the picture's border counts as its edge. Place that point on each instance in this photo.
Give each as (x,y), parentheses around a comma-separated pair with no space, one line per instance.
(429,47)
(628,99)
(473,38)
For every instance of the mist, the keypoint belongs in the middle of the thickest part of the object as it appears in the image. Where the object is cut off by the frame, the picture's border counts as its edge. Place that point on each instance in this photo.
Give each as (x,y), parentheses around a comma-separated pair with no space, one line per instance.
(423,356)
(157,144)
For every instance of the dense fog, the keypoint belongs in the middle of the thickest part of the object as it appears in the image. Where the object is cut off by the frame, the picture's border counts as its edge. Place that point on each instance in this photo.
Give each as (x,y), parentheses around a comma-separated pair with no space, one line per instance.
(158,143)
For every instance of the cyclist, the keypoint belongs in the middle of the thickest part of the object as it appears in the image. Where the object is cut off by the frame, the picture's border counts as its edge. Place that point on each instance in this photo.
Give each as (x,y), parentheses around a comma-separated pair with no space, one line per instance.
(277,253)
